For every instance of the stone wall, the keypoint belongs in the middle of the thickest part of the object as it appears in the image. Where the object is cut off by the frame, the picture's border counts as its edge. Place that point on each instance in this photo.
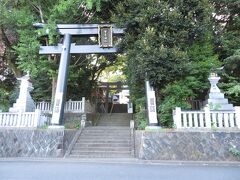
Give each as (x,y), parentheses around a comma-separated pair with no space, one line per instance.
(34,142)
(68,137)
(187,146)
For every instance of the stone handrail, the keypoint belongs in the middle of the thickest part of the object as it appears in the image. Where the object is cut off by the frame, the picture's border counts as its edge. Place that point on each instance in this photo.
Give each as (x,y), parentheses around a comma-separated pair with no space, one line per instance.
(132,137)
(206,118)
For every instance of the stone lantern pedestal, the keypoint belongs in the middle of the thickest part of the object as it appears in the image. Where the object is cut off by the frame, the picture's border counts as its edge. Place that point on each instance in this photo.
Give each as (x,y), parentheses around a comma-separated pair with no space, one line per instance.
(24,103)
(216,100)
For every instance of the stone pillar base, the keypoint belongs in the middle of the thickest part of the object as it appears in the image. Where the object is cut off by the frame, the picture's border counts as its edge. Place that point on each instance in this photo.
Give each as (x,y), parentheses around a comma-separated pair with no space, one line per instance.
(56,127)
(152,128)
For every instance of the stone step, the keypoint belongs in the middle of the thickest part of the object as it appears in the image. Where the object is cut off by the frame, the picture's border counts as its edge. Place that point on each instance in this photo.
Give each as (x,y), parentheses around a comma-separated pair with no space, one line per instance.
(106,135)
(102,136)
(103,132)
(106,128)
(106,131)
(112,124)
(100,149)
(112,117)
(217,101)
(127,115)
(87,156)
(114,120)
(109,139)
(112,141)
(214,95)
(79,145)
(100,152)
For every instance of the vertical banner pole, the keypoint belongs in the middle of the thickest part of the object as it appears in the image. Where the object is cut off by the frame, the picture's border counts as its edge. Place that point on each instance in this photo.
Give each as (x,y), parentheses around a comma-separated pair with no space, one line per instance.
(58,108)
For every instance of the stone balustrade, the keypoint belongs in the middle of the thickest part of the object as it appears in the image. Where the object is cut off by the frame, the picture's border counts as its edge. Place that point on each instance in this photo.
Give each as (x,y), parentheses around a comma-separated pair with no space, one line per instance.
(70,106)
(23,119)
(206,118)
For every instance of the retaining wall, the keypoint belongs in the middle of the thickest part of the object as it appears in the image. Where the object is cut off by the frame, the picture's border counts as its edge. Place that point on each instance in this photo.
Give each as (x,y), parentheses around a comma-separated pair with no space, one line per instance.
(169,145)
(34,142)
(187,146)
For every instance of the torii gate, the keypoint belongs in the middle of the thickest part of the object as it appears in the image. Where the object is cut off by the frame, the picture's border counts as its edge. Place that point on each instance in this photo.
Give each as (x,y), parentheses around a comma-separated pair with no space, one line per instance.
(105,34)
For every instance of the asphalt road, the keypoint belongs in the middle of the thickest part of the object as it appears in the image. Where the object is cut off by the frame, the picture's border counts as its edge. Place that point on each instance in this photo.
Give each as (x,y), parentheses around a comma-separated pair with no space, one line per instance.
(71,170)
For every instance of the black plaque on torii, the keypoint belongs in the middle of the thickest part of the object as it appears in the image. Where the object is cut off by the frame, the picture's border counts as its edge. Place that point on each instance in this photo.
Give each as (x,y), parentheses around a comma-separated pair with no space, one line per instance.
(105,34)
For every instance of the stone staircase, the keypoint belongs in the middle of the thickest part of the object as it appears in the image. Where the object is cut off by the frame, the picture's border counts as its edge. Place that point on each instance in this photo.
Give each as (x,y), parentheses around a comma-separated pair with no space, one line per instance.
(110,139)
(115,119)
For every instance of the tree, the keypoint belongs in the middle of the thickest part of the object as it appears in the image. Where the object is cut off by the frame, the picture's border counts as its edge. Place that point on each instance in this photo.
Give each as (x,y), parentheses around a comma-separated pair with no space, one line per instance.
(227,45)
(157,36)
(162,40)
(194,84)
(17,20)
(227,24)
(7,82)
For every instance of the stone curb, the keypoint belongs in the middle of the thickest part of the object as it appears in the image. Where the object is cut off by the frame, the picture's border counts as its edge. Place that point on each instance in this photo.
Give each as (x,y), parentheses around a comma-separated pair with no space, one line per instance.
(124,161)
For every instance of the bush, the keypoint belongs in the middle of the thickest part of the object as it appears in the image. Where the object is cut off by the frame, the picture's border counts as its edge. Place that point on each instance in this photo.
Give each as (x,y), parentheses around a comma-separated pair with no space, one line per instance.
(141,120)
(177,95)
(140,116)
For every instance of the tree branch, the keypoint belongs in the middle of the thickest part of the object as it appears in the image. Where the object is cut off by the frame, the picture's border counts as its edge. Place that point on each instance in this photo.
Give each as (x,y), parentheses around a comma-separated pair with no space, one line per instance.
(5,39)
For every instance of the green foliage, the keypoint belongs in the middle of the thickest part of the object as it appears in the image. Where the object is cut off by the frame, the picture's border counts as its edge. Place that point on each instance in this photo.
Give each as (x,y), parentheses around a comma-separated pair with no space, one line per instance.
(7,82)
(235,152)
(72,124)
(157,38)
(172,43)
(227,24)
(194,83)
(231,77)
(177,95)
(232,64)
(234,90)
(141,120)
(90,4)
(140,116)
(4,96)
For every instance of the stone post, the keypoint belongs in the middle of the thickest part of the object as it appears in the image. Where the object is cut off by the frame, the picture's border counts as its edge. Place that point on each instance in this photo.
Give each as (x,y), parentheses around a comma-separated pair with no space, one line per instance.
(130,107)
(37,118)
(19,119)
(132,137)
(207,117)
(83,104)
(177,118)
(237,112)
(83,120)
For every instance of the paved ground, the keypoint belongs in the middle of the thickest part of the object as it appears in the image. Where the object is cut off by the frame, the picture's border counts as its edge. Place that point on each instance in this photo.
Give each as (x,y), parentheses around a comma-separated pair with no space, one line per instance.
(65,169)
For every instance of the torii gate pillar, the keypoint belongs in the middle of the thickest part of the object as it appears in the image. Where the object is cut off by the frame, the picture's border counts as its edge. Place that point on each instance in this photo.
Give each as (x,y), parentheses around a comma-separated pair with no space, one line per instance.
(58,108)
